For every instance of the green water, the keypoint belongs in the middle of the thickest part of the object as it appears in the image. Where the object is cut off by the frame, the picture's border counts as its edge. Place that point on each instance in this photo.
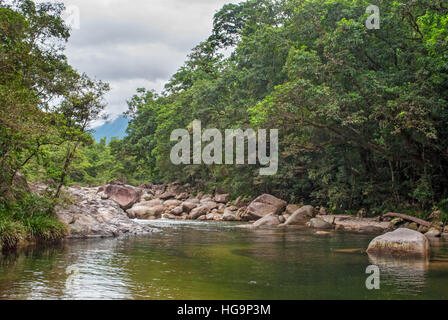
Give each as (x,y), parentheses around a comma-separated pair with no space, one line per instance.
(217,261)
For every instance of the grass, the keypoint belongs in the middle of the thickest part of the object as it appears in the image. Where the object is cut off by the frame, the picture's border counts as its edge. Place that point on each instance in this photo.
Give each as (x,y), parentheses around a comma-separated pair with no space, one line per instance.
(30,219)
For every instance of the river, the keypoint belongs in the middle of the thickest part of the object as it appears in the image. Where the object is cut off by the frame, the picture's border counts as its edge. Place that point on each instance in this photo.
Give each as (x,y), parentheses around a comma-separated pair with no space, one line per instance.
(206,260)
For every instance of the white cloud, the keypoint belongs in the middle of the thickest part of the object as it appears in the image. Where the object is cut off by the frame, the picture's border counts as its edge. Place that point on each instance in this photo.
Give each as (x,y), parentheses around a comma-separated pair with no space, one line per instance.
(137,43)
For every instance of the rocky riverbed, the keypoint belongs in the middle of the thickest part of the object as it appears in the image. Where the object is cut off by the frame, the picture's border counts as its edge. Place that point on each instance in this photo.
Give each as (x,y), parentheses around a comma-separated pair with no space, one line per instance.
(111,210)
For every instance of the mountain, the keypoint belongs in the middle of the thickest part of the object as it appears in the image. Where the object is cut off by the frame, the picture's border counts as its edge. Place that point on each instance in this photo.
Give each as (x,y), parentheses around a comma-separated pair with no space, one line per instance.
(110,129)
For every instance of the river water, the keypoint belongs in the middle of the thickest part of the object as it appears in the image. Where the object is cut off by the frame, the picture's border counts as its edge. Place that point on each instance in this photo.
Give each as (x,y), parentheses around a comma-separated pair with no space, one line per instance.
(206,260)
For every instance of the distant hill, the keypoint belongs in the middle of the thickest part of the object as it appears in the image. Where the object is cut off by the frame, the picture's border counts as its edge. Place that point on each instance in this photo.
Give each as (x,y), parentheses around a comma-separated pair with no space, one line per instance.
(110,129)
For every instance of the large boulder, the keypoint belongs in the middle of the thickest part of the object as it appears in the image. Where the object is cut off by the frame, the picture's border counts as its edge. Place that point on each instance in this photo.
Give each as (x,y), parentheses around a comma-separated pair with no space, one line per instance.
(264,205)
(229,215)
(198,212)
(300,216)
(172,203)
(401,242)
(209,204)
(222,198)
(177,211)
(167,195)
(125,196)
(145,212)
(189,205)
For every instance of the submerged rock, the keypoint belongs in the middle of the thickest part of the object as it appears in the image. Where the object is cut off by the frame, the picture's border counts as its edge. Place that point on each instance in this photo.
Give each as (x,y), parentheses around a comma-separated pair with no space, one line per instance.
(401,242)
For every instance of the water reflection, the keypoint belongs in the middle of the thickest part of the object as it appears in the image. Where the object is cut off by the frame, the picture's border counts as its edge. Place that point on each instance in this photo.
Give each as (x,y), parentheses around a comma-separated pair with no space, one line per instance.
(405,275)
(192,260)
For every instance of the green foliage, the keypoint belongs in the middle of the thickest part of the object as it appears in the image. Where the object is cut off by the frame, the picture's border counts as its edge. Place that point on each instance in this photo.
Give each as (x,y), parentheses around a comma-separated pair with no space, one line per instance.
(362,113)
(30,218)
(443,205)
(34,130)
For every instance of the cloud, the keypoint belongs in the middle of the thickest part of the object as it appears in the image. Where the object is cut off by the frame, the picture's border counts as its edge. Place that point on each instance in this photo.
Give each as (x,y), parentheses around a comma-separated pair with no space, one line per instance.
(136,43)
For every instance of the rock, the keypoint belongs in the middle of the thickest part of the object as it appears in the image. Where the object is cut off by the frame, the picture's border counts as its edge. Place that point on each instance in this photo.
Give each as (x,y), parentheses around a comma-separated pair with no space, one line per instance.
(222,198)
(172,203)
(145,186)
(396,221)
(423,229)
(291,208)
(433,233)
(317,223)
(91,217)
(269,220)
(188,206)
(229,215)
(264,205)
(182,196)
(238,201)
(169,216)
(198,212)
(362,213)
(435,216)
(153,203)
(351,223)
(240,214)
(103,196)
(401,242)
(147,197)
(199,195)
(282,218)
(158,189)
(412,226)
(167,195)
(300,216)
(125,196)
(322,233)
(323,211)
(177,211)
(145,212)
(209,204)
(208,197)
(368,229)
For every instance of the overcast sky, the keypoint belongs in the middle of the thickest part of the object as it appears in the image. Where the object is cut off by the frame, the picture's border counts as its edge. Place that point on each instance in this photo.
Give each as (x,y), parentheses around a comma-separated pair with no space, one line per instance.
(136,43)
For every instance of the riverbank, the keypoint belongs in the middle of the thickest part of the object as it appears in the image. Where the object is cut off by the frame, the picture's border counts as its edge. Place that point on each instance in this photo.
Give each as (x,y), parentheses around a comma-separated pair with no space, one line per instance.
(115,210)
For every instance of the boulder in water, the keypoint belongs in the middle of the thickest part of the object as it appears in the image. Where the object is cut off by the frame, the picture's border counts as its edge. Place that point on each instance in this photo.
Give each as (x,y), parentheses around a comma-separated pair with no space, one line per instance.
(317,223)
(401,242)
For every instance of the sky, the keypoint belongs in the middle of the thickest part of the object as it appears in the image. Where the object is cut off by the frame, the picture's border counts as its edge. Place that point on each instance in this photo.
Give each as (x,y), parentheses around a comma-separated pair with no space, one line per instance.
(135,43)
